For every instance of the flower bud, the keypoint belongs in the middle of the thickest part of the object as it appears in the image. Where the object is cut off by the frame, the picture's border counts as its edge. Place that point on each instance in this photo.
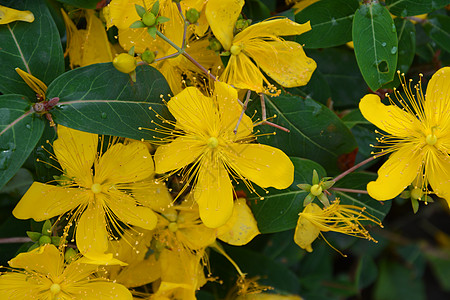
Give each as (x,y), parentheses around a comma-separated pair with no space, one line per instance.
(70,254)
(192,15)
(125,63)
(148,56)
(149,19)
(214,44)
(316,190)
(241,24)
(44,240)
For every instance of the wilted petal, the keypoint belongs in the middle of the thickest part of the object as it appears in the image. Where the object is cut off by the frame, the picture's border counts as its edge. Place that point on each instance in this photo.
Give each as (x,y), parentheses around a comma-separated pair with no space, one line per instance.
(242,73)
(44,201)
(8,15)
(396,174)
(306,232)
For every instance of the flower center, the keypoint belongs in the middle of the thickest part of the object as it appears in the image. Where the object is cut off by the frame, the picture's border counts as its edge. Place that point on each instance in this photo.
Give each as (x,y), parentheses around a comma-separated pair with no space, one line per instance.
(316,190)
(213,142)
(96,188)
(173,226)
(416,193)
(55,288)
(235,49)
(431,139)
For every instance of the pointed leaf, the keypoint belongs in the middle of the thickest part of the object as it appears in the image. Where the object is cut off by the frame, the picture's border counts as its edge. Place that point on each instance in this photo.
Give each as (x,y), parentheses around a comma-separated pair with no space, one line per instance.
(405,8)
(20,130)
(102,100)
(438,28)
(376,45)
(33,47)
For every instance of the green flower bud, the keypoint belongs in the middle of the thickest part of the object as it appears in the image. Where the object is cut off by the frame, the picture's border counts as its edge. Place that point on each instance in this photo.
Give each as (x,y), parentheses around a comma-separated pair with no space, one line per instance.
(192,15)
(214,44)
(148,56)
(44,240)
(241,24)
(70,254)
(125,63)
(149,19)
(316,190)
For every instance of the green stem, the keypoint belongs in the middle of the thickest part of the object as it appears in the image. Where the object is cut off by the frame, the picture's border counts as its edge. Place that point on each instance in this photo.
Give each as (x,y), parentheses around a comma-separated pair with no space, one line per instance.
(348,190)
(343,174)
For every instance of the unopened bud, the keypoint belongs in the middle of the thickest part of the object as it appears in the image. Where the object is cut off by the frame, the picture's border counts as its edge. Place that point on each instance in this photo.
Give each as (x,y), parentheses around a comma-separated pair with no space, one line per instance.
(70,254)
(148,56)
(241,24)
(149,19)
(44,240)
(316,190)
(125,63)
(214,44)
(192,15)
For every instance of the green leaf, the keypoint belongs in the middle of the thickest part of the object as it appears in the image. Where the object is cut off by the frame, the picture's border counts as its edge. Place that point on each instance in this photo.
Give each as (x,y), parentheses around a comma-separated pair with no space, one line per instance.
(138,24)
(155,8)
(440,265)
(405,8)
(331,23)
(359,181)
(102,100)
(280,208)
(316,133)
(152,32)
(20,130)
(317,89)
(81,3)
(19,184)
(33,47)
(140,10)
(256,10)
(161,19)
(438,28)
(376,45)
(366,272)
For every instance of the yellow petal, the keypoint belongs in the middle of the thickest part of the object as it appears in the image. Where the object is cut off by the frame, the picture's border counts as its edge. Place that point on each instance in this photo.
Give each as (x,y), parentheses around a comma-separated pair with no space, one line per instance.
(96,45)
(91,234)
(153,194)
(437,104)
(268,296)
(214,194)
(396,174)
(140,273)
(302,4)
(20,286)
(221,16)
(191,232)
(35,84)
(271,29)
(124,164)
(264,165)
(389,118)
(438,171)
(99,291)
(241,228)
(8,15)
(75,39)
(46,260)
(230,110)
(122,13)
(76,152)
(126,210)
(306,232)
(181,152)
(242,73)
(44,201)
(285,62)
(194,112)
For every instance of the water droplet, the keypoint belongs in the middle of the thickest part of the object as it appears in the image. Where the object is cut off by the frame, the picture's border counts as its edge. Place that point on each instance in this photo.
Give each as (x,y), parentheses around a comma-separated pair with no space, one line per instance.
(394,50)
(5,155)
(333,22)
(104,115)
(404,13)
(383,44)
(393,28)
(28,126)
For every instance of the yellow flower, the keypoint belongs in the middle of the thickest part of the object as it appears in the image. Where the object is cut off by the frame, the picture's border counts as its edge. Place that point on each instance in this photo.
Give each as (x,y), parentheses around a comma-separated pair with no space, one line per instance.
(8,15)
(206,140)
(417,136)
(96,196)
(42,274)
(337,217)
(87,46)
(259,46)
(300,4)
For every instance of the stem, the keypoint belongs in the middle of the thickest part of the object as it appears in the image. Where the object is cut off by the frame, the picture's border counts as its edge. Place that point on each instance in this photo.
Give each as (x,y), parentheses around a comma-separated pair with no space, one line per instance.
(167,56)
(181,51)
(349,190)
(186,24)
(244,108)
(15,240)
(343,174)
(264,116)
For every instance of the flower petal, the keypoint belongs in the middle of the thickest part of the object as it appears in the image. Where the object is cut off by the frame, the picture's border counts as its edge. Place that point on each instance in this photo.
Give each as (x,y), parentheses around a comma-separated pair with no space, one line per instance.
(437,104)
(91,234)
(271,29)
(46,260)
(283,61)
(438,172)
(8,15)
(44,201)
(214,194)
(389,118)
(126,210)
(306,232)
(230,111)
(396,174)
(76,152)
(193,111)
(222,16)
(20,286)
(124,164)
(179,153)
(99,290)
(241,228)
(264,165)
(242,73)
